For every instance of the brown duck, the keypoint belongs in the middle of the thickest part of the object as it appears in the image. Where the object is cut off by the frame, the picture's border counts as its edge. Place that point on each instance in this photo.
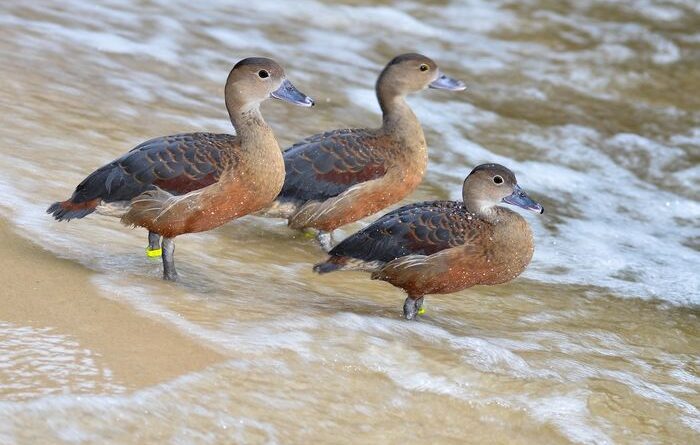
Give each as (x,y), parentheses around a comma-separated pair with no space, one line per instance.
(439,247)
(194,182)
(341,176)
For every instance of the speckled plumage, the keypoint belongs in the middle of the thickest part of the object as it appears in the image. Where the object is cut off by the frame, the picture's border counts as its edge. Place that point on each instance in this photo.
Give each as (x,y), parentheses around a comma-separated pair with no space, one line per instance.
(194,182)
(325,165)
(338,177)
(177,164)
(439,247)
(345,175)
(420,228)
(402,248)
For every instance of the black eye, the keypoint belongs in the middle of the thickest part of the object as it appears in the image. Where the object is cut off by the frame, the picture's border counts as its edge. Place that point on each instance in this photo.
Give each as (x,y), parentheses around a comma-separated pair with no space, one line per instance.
(263,74)
(497,179)
(424,67)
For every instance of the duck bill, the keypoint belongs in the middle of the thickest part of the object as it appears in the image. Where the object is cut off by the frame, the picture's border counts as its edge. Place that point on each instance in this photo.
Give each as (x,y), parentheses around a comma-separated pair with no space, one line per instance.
(444,82)
(519,198)
(289,93)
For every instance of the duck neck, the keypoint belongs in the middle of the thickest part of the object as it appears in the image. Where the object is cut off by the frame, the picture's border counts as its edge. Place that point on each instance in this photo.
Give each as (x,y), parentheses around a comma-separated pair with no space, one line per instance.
(484,210)
(513,237)
(397,117)
(251,129)
(510,227)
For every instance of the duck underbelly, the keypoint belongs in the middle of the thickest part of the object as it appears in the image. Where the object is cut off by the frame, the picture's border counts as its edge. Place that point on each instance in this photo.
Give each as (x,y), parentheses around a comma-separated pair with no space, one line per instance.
(354,204)
(210,217)
(246,190)
(280,209)
(430,275)
(211,208)
(442,283)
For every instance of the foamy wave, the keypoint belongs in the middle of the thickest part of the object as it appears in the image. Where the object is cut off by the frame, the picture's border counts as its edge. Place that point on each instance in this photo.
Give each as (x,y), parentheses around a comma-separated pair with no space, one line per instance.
(36,362)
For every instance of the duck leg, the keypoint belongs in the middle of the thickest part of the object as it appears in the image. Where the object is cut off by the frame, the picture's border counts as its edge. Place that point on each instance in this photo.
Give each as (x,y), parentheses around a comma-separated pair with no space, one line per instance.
(153,250)
(412,306)
(169,272)
(420,310)
(325,239)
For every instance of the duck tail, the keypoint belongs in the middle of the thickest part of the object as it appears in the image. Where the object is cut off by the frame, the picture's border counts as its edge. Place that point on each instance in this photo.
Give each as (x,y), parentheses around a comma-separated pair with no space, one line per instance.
(68,209)
(332,264)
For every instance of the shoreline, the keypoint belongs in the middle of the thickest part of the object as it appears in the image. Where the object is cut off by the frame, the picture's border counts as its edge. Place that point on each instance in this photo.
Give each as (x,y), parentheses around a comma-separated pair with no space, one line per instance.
(138,350)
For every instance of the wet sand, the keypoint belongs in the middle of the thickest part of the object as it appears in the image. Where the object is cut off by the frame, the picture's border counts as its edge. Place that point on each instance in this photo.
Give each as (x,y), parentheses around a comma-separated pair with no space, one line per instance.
(40,290)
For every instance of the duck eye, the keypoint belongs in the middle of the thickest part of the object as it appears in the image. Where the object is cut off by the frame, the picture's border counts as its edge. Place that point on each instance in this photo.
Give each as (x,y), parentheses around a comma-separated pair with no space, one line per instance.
(497,179)
(263,74)
(424,67)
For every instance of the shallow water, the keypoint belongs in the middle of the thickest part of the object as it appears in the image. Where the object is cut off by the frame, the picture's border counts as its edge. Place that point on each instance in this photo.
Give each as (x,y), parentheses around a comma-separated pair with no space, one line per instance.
(593,103)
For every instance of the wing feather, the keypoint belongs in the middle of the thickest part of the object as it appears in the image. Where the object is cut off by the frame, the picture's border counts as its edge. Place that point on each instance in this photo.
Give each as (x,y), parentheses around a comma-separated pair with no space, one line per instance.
(417,229)
(177,164)
(325,165)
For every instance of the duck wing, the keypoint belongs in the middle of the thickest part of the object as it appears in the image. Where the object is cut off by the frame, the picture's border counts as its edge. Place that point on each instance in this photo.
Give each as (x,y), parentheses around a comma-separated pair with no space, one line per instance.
(416,229)
(325,165)
(177,164)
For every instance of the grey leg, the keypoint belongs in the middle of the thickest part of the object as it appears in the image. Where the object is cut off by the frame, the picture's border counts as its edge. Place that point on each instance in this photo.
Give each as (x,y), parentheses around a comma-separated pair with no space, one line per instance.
(419,306)
(411,307)
(169,272)
(325,239)
(153,249)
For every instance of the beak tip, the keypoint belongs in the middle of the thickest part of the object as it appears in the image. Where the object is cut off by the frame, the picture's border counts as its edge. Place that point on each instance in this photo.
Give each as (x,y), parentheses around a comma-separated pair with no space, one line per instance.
(447,83)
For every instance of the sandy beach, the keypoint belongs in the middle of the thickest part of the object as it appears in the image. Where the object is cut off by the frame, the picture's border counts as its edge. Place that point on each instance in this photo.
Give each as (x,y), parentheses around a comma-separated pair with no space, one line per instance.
(42,291)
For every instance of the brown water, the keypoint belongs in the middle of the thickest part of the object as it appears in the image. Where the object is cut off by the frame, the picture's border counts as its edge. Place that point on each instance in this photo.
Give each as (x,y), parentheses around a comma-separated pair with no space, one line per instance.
(593,103)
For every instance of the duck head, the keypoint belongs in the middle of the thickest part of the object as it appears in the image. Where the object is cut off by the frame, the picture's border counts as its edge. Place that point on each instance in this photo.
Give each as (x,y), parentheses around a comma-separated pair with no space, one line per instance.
(255,79)
(410,73)
(489,185)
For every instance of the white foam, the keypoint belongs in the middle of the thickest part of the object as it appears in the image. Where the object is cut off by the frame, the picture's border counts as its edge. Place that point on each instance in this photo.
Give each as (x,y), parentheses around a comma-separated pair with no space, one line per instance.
(569,413)
(168,408)
(621,221)
(37,362)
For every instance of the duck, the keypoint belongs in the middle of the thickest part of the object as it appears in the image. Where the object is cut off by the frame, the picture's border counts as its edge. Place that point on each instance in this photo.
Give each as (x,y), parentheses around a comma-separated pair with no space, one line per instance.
(441,247)
(341,176)
(194,182)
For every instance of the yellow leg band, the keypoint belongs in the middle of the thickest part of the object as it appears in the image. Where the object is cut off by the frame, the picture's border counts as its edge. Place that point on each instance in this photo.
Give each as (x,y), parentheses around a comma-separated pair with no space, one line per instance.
(154,253)
(421,311)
